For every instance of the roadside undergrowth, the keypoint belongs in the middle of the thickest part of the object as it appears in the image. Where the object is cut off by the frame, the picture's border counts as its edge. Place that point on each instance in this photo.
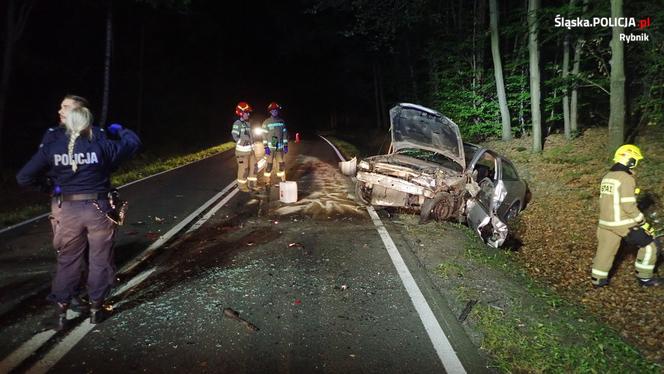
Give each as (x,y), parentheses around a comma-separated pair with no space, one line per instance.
(557,230)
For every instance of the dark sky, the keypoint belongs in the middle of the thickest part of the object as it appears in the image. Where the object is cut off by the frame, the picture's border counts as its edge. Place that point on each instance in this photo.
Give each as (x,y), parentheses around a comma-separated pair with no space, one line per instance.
(196,65)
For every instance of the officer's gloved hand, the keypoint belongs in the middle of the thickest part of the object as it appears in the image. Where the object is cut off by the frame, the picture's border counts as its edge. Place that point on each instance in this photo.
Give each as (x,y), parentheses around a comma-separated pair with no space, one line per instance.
(114,129)
(57,190)
(649,229)
(285,149)
(267,151)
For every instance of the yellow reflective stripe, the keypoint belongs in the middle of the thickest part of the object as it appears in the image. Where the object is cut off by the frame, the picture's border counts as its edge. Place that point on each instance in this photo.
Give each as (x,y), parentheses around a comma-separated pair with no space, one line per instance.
(281,173)
(242,181)
(628,221)
(644,267)
(267,174)
(600,273)
(628,199)
(252,179)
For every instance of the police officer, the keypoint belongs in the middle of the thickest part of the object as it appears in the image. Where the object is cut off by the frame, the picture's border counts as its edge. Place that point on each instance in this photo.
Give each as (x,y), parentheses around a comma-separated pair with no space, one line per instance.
(244,151)
(275,142)
(620,218)
(80,161)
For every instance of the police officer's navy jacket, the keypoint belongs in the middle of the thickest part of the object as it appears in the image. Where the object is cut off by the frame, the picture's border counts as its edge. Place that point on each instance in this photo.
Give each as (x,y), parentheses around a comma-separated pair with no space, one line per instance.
(96,157)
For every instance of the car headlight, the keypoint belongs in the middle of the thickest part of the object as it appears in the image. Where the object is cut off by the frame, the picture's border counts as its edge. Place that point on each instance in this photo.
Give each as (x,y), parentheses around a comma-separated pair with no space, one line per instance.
(363,165)
(258,131)
(424,180)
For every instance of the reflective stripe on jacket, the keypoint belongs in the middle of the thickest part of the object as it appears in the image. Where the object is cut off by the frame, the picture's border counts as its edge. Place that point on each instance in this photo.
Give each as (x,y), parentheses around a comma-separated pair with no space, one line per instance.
(617,202)
(275,133)
(242,136)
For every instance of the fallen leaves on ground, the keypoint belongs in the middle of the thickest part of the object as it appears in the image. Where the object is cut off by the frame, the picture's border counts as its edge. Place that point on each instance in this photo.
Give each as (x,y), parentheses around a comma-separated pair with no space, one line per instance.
(558,231)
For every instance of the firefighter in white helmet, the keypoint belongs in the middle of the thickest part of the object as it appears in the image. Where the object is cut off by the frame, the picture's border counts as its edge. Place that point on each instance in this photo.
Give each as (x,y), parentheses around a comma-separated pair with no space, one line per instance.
(620,218)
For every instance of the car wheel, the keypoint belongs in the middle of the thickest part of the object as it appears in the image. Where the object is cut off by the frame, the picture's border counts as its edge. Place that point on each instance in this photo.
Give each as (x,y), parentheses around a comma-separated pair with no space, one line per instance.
(361,194)
(512,212)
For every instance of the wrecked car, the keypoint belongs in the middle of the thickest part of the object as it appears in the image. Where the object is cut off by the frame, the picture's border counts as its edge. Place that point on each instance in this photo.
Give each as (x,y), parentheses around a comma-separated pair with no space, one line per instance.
(428,168)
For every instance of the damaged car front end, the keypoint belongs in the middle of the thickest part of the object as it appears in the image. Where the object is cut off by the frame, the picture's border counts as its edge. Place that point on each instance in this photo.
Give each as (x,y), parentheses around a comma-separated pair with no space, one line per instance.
(427,170)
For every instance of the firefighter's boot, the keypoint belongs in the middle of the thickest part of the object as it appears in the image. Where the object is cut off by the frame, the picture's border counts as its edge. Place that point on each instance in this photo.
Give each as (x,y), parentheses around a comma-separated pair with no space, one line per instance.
(651,282)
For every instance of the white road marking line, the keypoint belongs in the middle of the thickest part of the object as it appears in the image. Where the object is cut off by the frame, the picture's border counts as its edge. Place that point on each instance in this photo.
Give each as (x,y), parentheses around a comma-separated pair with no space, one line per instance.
(123,186)
(212,211)
(334,148)
(62,348)
(168,235)
(440,342)
(25,350)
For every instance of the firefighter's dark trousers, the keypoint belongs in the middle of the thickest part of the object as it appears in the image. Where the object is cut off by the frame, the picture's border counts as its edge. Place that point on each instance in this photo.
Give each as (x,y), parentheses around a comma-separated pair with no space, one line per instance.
(77,226)
(608,243)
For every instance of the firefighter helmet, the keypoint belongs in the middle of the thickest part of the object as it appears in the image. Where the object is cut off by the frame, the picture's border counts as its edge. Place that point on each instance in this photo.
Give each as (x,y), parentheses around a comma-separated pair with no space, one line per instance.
(273,106)
(628,155)
(243,107)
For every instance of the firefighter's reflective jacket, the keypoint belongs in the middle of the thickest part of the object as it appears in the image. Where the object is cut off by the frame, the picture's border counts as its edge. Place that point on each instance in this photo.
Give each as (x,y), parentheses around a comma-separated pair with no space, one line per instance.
(242,136)
(275,134)
(618,211)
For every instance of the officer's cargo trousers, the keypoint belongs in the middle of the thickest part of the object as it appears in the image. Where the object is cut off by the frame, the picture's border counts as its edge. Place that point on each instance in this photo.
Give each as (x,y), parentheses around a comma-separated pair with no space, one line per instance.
(275,157)
(77,226)
(246,169)
(608,243)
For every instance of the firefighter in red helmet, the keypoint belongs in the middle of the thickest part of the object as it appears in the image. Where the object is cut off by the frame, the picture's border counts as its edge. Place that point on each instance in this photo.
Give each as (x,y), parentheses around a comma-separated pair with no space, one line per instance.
(244,152)
(275,141)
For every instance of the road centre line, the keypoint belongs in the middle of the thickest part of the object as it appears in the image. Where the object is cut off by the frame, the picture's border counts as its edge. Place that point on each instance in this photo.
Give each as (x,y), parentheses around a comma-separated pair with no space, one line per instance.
(64,346)
(8,228)
(436,334)
(212,211)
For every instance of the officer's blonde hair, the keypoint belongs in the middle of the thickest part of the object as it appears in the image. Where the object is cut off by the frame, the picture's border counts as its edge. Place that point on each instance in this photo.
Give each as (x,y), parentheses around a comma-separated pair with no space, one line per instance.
(77,123)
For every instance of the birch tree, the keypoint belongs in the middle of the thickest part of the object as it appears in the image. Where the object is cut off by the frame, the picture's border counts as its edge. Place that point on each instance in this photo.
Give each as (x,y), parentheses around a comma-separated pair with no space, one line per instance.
(498,71)
(533,48)
(617,102)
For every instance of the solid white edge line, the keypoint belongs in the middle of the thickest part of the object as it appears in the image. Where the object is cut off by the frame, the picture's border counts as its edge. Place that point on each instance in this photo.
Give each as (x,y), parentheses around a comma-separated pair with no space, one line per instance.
(438,338)
(8,228)
(62,348)
(334,148)
(25,350)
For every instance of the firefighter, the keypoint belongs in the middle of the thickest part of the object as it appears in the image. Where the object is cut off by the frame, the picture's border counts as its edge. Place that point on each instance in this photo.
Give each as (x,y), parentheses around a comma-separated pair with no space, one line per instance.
(80,161)
(275,141)
(620,218)
(244,151)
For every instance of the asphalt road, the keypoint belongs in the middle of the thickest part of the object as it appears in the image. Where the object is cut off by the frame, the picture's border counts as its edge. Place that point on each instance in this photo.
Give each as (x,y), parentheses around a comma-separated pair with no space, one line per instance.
(314,278)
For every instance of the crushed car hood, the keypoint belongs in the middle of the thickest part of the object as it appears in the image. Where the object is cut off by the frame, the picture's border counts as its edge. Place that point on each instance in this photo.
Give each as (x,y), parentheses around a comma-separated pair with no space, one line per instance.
(414,126)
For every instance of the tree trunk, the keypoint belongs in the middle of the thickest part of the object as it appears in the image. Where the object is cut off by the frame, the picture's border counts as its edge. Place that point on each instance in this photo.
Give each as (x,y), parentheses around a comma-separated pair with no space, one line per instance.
(533,47)
(15,25)
(573,112)
(617,104)
(498,71)
(566,119)
(107,64)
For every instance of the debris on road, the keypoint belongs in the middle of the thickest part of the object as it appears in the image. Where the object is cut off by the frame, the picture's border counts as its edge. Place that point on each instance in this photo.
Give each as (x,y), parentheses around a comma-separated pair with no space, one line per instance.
(297,302)
(295,244)
(232,314)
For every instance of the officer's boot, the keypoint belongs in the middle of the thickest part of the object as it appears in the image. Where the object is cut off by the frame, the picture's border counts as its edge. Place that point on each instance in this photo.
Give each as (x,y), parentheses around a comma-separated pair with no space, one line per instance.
(80,305)
(99,311)
(61,316)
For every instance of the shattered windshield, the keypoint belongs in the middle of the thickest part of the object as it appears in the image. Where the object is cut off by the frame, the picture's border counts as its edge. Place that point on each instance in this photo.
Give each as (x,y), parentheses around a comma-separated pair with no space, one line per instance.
(432,157)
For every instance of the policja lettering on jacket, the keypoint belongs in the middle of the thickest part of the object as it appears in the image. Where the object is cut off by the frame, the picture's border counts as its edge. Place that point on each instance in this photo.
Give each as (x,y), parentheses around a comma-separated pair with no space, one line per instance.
(80,159)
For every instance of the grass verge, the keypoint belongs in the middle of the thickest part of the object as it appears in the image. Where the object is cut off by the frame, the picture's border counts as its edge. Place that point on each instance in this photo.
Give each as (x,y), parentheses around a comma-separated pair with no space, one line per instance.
(347,149)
